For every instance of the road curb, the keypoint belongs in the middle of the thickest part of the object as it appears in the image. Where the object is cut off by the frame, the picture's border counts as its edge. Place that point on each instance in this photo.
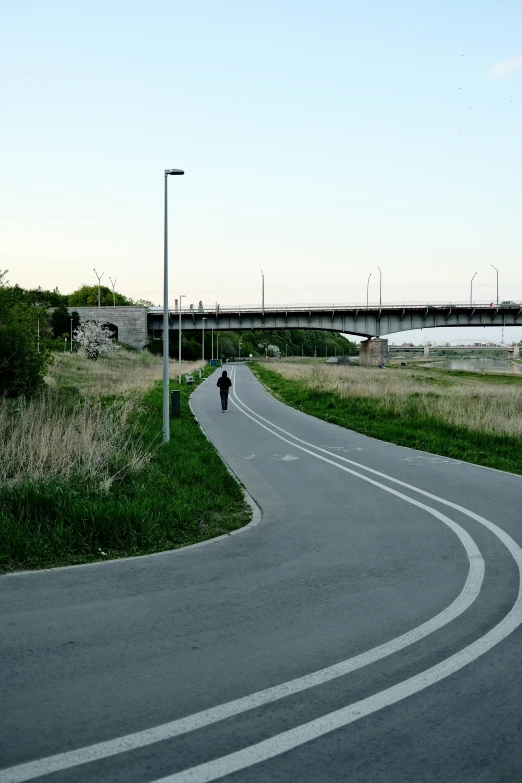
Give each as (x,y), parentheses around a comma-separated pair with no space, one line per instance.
(257,516)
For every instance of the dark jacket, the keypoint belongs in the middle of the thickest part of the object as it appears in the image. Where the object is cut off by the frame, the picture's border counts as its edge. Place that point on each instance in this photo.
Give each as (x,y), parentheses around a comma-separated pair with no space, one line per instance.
(224,382)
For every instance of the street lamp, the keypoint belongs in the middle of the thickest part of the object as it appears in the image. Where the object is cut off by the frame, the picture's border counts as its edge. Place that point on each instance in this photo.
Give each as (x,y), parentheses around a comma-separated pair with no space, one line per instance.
(217,347)
(203,341)
(262,293)
(166,420)
(179,340)
(240,348)
(99,280)
(496,270)
(367,287)
(71,333)
(113,294)
(380,286)
(471,289)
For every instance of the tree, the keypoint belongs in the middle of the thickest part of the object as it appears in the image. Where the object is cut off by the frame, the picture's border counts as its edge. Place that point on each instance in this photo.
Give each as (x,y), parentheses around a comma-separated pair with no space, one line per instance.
(24,343)
(61,321)
(95,339)
(87,296)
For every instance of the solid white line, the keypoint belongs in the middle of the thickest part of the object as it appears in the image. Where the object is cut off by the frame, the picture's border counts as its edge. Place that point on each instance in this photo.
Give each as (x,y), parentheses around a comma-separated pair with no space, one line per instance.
(468,595)
(288,740)
(413,488)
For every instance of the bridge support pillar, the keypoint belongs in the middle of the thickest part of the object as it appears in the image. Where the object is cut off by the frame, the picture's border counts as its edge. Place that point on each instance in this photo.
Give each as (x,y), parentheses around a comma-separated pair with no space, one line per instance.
(514,353)
(373,352)
(426,351)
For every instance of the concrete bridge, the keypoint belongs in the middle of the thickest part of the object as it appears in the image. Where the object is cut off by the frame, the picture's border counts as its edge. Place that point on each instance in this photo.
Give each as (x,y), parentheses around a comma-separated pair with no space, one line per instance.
(350,319)
(136,325)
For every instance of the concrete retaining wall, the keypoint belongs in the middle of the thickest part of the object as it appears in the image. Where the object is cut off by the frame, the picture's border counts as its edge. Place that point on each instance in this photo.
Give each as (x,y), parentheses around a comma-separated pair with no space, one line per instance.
(131,322)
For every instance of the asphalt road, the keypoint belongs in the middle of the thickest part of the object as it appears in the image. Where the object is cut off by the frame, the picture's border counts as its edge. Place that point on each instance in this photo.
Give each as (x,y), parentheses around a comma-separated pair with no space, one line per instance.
(367,629)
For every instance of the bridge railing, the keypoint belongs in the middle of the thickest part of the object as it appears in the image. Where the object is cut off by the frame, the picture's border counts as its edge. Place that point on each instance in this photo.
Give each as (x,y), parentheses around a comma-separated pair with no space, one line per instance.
(340,307)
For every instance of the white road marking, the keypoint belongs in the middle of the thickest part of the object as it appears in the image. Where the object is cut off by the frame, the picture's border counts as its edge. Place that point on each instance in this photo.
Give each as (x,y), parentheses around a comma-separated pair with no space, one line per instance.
(250,457)
(285,458)
(345,448)
(259,752)
(287,740)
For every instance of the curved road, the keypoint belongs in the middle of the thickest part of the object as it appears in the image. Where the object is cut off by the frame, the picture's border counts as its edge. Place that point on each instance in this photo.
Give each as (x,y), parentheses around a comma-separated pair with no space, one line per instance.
(368,629)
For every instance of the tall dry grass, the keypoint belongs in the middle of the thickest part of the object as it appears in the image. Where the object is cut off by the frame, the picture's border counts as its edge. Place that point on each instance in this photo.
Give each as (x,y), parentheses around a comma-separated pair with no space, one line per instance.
(70,431)
(124,372)
(475,405)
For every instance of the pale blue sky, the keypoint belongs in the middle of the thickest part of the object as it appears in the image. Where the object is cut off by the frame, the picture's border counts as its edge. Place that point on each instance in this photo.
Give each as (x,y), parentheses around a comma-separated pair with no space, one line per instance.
(319,139)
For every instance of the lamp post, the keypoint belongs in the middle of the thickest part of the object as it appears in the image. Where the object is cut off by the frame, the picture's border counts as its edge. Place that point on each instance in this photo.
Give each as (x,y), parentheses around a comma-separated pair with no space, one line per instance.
(99,281)
(380,286)
(212,343)
(471,289)
(166,421)
(71,333)
(367,287)
(262,293)
(203,341)
(179,340)
(217,347)
(113,293)
(240,348)
(496,270)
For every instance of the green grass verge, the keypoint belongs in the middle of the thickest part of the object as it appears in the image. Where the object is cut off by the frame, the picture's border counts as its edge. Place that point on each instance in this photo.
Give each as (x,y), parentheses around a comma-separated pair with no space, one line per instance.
(183,496)
(412,428)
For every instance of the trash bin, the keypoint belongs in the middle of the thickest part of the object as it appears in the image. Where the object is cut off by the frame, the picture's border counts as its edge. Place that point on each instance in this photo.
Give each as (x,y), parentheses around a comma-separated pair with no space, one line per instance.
(175,402)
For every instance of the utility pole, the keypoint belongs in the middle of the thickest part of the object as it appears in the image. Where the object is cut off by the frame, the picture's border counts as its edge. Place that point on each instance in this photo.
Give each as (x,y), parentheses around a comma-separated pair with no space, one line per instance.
(113,294)
(71,333)
(263,294)
(367,287)
(203,341)
(179,340)
(99,281)
(380,286)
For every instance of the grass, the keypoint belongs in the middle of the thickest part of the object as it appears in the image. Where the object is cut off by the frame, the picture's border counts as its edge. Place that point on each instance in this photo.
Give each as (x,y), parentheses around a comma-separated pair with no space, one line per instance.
(106,486)
(476,419)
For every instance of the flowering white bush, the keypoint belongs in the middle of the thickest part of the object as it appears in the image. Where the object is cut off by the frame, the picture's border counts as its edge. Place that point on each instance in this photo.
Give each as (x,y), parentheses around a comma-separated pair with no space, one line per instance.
(272,350)
(95,339)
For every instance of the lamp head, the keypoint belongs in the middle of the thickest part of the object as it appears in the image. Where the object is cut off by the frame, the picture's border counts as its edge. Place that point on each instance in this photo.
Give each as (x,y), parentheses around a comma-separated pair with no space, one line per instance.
(173,171)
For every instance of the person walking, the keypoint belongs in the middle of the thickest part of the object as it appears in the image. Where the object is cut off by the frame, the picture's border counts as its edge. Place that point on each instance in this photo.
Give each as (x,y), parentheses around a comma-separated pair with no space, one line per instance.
(224,384)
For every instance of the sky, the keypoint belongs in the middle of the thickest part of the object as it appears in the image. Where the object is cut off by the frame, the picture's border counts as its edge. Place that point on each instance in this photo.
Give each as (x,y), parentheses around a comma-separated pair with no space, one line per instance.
(319,140)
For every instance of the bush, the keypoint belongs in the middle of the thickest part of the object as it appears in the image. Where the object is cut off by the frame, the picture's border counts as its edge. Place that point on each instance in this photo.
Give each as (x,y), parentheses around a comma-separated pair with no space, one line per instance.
(24,353)
(61,321)
(95,339)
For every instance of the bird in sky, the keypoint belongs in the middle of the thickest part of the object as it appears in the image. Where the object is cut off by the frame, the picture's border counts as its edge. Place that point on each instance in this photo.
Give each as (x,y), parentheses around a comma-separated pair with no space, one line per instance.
(459,88)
